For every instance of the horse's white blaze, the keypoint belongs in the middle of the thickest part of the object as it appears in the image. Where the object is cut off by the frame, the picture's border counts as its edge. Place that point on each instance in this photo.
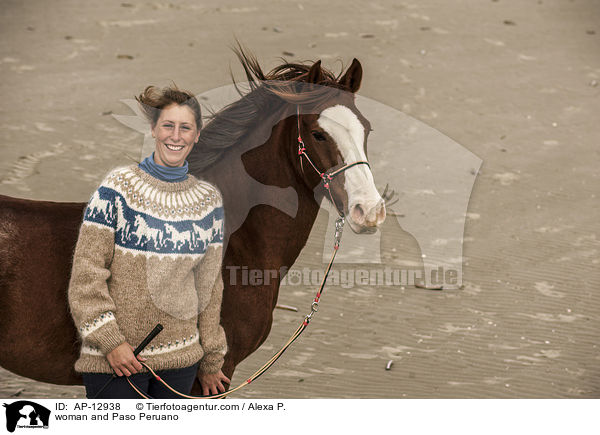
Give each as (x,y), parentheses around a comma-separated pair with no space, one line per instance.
(348,132)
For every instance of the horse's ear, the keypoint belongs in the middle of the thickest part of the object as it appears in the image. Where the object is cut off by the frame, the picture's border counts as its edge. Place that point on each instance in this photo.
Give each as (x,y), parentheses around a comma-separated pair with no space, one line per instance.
(314,74)
(353,76)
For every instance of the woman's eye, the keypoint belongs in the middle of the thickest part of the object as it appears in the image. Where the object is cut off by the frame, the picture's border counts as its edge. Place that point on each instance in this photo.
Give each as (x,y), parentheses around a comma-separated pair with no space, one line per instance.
(318,136)
(168,125)
(185,128)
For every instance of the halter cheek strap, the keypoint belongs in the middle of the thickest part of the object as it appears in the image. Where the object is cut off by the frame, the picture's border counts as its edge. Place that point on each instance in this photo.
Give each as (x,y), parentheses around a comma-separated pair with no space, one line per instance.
(326,176)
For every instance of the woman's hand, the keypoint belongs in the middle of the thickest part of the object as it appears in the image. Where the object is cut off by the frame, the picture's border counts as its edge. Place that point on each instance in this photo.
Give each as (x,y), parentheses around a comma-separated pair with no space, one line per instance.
(212,383)
(123,361)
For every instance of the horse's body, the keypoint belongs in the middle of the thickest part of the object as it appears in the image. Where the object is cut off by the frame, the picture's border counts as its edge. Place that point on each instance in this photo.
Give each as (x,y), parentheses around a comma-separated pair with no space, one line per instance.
(263,231)
(37,335)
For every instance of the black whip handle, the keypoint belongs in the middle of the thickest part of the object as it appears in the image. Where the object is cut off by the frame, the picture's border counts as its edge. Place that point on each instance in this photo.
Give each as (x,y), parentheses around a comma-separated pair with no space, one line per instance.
(137,350)
(148,339)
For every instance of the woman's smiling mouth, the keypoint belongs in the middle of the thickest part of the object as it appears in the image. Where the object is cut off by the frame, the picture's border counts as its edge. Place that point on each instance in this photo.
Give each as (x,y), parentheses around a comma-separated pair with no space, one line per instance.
(175,147)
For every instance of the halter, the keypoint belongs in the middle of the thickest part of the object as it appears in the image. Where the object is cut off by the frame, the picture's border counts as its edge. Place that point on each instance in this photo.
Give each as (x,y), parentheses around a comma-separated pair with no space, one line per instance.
(326,177)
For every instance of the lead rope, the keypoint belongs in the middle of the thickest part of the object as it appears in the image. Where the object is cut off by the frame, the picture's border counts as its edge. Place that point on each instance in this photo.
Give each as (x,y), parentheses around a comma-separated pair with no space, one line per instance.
(339,226)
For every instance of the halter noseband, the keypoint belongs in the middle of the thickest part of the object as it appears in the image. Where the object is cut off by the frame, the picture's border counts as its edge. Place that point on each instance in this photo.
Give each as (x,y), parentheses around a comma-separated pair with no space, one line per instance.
(326,176)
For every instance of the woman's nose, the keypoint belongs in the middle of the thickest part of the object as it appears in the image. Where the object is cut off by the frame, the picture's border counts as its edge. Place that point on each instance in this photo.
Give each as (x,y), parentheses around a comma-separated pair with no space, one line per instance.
(176,134)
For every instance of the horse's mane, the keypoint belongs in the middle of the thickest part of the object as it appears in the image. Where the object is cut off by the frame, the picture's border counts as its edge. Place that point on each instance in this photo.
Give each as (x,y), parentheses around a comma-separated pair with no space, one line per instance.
(269,92)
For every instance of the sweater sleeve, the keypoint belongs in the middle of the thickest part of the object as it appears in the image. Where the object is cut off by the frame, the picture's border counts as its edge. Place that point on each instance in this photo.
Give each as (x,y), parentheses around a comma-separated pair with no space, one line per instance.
(209,284)
(91,305)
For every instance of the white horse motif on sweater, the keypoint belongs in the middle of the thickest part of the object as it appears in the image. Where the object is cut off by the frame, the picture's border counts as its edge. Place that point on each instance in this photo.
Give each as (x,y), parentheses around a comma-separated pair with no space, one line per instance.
(145,230)
(98,205)
(179,237)
(122,223)
(217,227)
(199,235)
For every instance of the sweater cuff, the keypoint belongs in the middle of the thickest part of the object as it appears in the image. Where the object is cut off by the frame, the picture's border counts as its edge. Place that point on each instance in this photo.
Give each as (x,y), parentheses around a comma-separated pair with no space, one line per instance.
(106,338)
(212,362)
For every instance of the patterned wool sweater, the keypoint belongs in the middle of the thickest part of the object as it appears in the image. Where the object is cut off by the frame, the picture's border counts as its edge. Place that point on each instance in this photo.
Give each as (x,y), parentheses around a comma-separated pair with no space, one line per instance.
(150,251)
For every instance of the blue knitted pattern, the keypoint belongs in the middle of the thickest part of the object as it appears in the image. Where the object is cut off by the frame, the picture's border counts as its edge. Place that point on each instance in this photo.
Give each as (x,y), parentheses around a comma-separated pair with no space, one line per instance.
(159,229)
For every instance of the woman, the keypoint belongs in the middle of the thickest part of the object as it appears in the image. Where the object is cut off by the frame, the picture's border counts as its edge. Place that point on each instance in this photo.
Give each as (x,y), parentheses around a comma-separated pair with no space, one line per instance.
(149,251)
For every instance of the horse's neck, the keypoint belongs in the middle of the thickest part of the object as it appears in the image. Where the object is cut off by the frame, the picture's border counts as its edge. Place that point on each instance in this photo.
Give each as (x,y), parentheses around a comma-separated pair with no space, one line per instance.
(255,177)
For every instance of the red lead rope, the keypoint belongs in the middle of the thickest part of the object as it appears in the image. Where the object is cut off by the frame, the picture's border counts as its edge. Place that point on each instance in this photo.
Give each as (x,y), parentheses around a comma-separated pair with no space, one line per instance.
(339,225)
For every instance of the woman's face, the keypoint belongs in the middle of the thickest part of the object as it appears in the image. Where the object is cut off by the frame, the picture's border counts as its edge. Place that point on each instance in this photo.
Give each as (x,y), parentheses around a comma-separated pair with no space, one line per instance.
(175,134)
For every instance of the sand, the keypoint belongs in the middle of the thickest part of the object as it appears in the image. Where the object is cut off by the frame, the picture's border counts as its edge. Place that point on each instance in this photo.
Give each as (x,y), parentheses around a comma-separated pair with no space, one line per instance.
(514,83)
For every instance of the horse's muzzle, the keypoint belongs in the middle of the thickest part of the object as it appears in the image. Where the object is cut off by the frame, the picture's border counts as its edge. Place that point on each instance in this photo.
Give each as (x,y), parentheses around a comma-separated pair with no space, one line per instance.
(365,217)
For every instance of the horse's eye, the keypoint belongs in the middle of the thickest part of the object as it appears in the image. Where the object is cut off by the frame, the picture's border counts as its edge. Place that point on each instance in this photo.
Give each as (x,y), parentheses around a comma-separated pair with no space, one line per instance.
(318,136)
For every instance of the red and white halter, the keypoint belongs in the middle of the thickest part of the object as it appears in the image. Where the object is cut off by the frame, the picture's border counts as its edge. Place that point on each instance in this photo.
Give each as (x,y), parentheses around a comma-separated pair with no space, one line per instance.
(326,176)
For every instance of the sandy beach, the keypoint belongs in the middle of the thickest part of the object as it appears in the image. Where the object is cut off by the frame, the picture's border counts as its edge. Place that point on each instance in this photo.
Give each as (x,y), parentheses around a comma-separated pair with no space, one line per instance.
(514,83)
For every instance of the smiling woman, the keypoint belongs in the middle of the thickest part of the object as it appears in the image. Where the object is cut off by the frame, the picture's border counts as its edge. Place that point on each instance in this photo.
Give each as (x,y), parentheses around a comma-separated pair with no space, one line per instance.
(175,133)
(150,251)
(175,119)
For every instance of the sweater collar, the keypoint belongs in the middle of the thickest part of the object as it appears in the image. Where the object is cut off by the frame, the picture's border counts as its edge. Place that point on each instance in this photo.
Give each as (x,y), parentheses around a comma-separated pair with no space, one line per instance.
(164,173)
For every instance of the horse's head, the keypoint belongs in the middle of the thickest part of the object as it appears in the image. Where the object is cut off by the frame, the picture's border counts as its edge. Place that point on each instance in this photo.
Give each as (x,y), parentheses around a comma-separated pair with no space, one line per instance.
(333,153)
(333,131)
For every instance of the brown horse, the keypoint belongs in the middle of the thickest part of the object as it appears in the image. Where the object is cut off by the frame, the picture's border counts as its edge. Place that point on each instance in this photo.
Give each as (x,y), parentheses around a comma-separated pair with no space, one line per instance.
(271,193)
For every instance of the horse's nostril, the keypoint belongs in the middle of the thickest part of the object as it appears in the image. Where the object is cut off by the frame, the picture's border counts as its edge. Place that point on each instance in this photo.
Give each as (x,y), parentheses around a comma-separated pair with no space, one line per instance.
(358,214)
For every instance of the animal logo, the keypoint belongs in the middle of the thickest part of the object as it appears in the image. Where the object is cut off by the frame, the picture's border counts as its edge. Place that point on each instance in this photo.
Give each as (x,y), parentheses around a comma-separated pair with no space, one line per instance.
(294,277)
(26,414)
